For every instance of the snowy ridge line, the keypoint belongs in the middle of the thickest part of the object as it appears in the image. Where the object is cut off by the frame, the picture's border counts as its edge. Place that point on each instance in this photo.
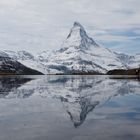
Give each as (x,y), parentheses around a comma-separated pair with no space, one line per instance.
(78,54)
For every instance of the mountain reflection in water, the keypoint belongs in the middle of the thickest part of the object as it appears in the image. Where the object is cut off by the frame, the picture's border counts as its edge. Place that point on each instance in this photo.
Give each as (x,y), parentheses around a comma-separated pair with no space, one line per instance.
(9,84)
(79,95)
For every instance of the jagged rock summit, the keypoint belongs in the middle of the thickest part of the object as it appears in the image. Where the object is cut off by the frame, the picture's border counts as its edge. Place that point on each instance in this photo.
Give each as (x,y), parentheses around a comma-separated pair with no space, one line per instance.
(78,37)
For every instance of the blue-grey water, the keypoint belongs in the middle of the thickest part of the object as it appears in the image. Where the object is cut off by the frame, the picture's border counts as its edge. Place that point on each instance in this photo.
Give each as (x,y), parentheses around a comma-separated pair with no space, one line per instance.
(69,108)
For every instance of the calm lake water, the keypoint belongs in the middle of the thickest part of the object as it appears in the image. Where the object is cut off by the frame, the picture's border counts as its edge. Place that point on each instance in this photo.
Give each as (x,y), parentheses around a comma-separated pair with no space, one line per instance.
(69,108)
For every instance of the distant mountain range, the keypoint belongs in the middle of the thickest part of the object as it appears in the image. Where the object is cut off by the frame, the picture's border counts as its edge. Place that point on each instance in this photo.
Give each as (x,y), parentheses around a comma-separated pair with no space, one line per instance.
(79,54)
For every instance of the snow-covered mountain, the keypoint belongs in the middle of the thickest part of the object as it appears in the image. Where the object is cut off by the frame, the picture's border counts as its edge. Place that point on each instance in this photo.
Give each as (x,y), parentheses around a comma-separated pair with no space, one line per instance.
(11,66)
(134,61)
(37,62)
(22,55)
(78,54)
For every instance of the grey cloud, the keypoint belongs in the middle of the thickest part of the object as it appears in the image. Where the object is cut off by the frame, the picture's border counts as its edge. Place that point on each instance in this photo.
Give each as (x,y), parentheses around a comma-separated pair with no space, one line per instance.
(43,24)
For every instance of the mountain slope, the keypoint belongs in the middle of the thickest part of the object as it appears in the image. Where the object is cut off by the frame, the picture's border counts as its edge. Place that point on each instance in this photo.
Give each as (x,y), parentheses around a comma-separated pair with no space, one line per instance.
(37,62)
(134,61)
(11,66)
(80,53)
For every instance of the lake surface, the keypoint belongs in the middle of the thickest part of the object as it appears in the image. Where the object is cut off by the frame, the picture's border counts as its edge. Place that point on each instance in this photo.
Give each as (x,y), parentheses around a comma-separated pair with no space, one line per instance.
(69,108)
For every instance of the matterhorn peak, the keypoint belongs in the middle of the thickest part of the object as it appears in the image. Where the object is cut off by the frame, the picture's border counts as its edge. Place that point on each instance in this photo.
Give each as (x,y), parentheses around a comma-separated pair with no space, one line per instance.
(77,24)
(77,27)
(77,30)
(78,38)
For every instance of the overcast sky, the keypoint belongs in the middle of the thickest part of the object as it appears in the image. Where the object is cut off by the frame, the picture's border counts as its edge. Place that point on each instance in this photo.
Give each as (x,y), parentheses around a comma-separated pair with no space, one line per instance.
(37,25)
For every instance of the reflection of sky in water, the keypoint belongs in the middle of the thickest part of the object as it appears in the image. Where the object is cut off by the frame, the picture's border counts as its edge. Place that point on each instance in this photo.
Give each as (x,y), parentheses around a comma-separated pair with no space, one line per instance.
(118,118)
(124,107)
(48,107)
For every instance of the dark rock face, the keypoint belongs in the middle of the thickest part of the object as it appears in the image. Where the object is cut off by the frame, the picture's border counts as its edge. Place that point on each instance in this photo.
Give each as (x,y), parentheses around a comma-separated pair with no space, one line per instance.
(124,72)
(9,66)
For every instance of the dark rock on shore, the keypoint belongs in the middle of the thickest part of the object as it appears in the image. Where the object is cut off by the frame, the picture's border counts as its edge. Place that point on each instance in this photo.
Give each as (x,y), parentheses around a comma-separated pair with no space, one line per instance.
(124,72)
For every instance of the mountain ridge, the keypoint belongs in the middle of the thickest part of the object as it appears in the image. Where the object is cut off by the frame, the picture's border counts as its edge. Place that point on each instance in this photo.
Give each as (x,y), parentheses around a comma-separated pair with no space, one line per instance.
(78,54)
(9,66)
